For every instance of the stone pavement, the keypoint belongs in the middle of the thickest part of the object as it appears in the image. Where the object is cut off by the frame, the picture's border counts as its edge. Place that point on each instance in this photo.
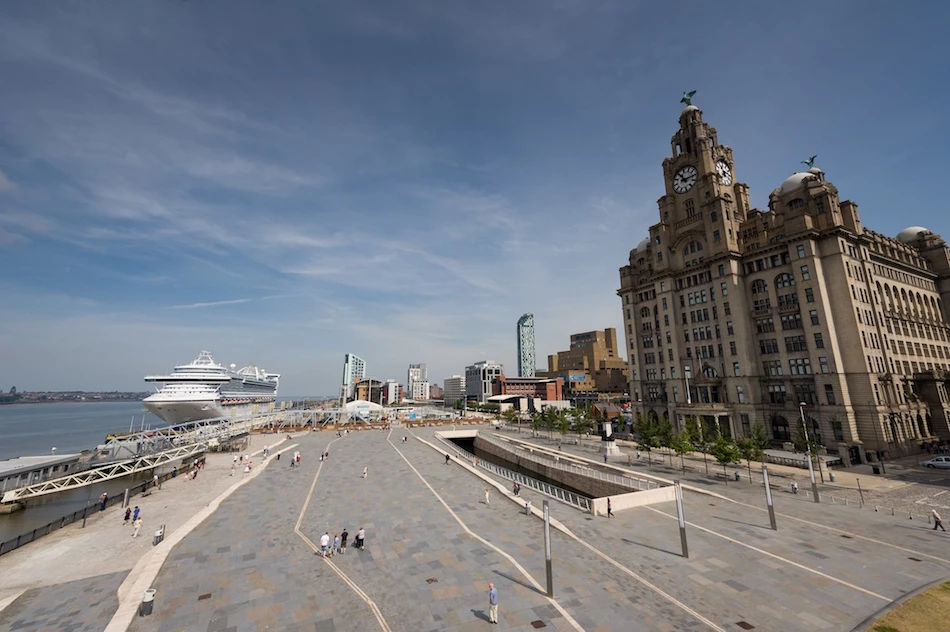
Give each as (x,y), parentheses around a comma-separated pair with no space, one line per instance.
(104,548)
(76,606)
(433,545)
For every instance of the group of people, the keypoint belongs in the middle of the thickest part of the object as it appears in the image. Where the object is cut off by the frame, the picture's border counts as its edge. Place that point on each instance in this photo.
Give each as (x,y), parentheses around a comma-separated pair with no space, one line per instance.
(136,517)
(339,542)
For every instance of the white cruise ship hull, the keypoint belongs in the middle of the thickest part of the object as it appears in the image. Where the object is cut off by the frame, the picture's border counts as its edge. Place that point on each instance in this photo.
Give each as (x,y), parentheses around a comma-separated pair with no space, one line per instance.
(178,412)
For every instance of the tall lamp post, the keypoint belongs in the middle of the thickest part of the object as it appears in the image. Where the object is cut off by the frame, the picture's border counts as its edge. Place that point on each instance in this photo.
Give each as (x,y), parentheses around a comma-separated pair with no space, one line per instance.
(811,469)
(877,436)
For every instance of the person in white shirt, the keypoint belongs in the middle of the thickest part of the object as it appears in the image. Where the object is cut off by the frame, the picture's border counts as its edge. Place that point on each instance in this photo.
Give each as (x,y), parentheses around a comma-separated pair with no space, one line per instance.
(324,543)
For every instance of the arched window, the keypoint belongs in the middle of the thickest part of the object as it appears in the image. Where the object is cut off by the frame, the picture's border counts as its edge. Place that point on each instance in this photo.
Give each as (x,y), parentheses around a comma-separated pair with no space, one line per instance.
(708,371)
(780,429)
(784,280)
(760,287)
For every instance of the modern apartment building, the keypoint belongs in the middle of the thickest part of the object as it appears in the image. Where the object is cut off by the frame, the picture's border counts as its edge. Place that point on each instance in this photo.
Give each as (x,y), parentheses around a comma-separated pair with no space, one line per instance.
(479,378)
(526,360)
(391,393)
(592,368)
(453,389)
(417,382)
(354,369)
(435,391)
(738,315)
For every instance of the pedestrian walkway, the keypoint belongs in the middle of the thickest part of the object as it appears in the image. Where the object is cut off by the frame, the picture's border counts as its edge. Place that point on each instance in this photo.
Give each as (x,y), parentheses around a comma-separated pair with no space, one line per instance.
(433,546)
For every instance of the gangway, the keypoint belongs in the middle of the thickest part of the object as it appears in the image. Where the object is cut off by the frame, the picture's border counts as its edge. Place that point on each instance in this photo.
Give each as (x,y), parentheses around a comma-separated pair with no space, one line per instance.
(103,473)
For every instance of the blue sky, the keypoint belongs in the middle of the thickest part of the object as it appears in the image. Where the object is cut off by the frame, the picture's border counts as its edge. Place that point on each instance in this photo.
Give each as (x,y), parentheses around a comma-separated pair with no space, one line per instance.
(286,182)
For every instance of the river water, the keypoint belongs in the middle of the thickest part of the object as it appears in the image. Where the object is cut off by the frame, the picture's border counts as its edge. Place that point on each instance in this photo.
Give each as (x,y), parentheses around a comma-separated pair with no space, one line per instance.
(34,429)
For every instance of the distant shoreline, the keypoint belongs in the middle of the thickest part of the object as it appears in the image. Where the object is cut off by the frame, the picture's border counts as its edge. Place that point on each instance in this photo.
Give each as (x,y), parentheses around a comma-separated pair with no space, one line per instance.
(69,401)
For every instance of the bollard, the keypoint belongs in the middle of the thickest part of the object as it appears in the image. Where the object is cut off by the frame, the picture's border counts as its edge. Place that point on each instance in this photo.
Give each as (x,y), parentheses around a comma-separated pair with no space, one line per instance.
(892,511)
(911,516)
(148,602)
(875,509)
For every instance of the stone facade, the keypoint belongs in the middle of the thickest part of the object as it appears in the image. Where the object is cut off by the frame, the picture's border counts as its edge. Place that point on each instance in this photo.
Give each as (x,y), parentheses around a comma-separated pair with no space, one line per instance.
(737,315)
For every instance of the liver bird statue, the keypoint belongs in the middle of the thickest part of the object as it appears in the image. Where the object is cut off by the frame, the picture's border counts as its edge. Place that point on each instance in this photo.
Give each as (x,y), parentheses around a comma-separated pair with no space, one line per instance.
(688,98)
(810,162)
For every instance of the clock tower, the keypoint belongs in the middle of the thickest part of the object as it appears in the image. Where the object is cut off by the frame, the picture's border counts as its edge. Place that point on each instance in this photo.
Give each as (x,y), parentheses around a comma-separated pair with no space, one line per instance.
(704,205)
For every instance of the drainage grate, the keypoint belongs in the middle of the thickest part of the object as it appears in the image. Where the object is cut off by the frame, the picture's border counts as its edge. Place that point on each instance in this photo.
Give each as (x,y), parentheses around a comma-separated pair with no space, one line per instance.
(745,625)
(432,580)
(538,624)
(914,559)
(204,596)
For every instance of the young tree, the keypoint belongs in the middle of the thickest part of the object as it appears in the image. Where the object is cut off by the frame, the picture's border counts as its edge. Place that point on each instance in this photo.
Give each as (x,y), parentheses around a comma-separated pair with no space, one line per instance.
(648,435)
(752,448)
(682,446)
(807,443)
(581,424)
(697,438)
(725,452)
(509,415)
(665,436)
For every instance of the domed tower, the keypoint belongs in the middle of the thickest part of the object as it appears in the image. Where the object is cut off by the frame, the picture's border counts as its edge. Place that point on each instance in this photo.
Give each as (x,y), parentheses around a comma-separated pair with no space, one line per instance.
(807,201)
(703,203)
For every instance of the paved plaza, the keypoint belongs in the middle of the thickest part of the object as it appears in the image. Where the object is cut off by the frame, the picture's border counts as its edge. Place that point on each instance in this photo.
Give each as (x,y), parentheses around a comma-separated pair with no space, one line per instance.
(433,545)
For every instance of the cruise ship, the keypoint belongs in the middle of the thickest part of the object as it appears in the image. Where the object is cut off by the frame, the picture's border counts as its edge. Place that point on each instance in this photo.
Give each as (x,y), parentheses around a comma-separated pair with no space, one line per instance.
(204,389)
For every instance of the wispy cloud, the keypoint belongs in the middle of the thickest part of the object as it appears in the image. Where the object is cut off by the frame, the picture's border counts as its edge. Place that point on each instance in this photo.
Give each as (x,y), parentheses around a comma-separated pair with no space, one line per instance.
(6,185)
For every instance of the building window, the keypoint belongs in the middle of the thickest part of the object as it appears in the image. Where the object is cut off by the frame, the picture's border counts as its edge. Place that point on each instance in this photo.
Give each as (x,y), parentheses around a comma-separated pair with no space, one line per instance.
(722,270)
(772,368)
(726,310)
(777,394)
(814,316)
(768,346)
(795,343)
(663,286)
(801,251)
(809,295)
(823,365)
(729,328)
(819,341)
(716,236)
(724,289)
(806,393)
(784,280)
(799,366)
(735,369)
(791,321)
(764,325)
(760,287)
(830,395)
(805,274)
(732,348)
(740,395)
(838,430)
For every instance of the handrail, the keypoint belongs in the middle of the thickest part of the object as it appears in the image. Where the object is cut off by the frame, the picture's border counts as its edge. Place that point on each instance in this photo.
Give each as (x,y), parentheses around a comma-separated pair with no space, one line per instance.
(568,497)
(618,479)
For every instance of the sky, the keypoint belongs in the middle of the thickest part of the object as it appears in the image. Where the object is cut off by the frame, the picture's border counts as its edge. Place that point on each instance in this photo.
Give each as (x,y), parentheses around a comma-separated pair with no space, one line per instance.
(283,183)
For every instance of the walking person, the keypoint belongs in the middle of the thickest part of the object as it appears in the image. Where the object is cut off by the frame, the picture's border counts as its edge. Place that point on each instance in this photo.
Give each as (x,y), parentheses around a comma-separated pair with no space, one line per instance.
(128,515)
(492,604)
(336,545)
(365,470)
(605,457)
(937,521)
(610,509)
(136,524)
(447,457)
(135,513)
(103,499)
(324,543)
(487,504)
(361,538)
(343,537)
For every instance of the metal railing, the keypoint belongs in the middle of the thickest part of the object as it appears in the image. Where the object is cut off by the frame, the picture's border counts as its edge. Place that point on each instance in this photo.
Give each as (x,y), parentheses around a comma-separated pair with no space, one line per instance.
(543,458)
(568,497)
(30,536)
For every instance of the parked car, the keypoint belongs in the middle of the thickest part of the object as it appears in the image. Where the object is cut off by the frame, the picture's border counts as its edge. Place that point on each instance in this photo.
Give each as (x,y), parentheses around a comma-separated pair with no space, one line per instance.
(938,461)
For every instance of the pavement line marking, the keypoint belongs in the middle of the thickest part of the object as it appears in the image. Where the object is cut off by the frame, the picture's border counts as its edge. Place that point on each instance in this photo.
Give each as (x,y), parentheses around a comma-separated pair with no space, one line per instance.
(6,601)
(938,493)
(511,559)
(563,529)
(835,529)
(778,557)
(150,565)
(334,567)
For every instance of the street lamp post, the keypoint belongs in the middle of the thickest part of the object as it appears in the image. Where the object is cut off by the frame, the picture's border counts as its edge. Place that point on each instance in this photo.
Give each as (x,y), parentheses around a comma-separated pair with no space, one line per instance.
(877,437)
(811,469)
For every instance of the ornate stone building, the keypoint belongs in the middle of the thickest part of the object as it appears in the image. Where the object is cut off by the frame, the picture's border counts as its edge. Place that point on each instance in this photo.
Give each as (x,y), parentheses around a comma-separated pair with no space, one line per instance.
(738,315)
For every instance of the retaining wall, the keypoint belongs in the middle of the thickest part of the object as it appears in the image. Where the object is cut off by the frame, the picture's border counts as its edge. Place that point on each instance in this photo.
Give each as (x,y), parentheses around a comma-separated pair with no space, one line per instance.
(589,486)
(633,499)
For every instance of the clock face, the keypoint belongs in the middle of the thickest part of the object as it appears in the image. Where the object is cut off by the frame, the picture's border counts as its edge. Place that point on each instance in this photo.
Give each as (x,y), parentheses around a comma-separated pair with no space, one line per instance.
(725,173)
(685,178)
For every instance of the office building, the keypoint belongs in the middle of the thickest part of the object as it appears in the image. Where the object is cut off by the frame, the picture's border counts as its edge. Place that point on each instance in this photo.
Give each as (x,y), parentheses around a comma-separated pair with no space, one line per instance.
(526,361)
(417,382)
(546,389)
(479,378)
(592,368)
(737,315)
(453,390)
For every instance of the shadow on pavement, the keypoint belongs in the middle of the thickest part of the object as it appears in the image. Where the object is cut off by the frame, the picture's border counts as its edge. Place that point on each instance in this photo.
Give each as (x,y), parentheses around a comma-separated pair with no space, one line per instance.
(650,547)
(480,614)
(519,582)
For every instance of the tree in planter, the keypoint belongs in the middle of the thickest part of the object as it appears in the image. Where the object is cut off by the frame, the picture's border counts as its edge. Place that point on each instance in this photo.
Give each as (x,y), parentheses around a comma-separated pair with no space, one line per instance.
(808,443)
(563,424)
(582,425)
(648,435)
(665,435)
(725,452)
(697,438)
(682,446)
(537,422)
